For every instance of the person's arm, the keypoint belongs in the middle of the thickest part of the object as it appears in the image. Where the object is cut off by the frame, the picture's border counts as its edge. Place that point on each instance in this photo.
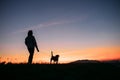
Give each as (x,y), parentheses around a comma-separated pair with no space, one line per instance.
(37,48)
(36,45)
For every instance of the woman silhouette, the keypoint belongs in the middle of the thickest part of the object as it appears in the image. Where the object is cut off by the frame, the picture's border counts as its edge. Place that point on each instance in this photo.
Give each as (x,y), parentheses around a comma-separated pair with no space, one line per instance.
(31,44)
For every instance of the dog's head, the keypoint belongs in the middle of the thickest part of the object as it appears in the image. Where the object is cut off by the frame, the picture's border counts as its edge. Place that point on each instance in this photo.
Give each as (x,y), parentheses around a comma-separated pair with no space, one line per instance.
(57,56)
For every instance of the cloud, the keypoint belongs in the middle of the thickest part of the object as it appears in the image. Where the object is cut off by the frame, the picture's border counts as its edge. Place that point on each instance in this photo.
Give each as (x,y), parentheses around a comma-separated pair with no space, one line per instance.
(51,23)
(47,24)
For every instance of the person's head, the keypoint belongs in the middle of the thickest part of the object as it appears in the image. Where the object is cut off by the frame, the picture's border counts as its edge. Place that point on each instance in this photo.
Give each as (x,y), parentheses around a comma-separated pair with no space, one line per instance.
(30,33)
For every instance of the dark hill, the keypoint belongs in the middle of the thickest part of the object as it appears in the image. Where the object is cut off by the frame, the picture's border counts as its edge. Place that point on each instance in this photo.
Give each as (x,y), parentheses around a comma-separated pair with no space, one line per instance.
(84,61)
(90,71)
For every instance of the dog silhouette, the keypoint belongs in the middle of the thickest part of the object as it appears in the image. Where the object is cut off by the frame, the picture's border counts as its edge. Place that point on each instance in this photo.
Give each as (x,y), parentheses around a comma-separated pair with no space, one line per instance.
(54,58)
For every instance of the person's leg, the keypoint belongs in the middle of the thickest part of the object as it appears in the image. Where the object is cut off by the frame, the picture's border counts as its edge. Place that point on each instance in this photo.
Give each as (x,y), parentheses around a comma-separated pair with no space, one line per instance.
(30,58)
(31,51)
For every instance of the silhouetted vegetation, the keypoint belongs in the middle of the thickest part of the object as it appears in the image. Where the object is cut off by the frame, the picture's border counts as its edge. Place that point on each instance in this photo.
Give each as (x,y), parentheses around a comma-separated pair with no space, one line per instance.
(79,71)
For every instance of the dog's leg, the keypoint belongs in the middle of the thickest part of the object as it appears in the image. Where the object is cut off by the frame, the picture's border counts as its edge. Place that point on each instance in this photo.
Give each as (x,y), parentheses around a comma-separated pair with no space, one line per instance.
(56,62)
(50,61)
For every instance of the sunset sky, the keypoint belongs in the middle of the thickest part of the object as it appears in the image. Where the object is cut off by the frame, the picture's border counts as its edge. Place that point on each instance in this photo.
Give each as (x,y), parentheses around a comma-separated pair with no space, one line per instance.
(74,29)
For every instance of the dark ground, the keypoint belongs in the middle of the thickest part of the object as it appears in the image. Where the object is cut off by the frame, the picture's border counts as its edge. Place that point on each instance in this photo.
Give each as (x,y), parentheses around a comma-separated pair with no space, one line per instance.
(84,71)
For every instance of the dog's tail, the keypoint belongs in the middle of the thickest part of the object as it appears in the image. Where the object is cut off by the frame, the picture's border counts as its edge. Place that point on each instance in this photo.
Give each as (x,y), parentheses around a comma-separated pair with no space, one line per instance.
(51,53)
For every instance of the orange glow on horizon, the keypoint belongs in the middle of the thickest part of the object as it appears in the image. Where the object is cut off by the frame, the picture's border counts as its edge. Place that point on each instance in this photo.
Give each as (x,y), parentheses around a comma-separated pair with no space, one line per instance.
(102,53)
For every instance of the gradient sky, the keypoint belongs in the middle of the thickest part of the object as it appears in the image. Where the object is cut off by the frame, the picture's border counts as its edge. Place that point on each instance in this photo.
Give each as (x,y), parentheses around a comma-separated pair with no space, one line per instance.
(74,29)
